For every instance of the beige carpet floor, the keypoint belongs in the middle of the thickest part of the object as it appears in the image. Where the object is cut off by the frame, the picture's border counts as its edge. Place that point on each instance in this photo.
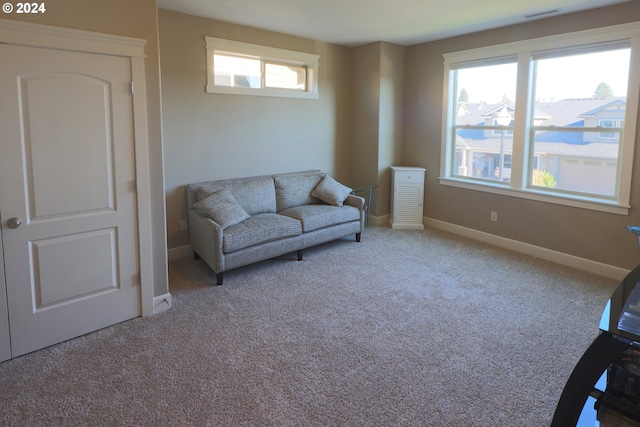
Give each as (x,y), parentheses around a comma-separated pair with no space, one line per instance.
(406,328)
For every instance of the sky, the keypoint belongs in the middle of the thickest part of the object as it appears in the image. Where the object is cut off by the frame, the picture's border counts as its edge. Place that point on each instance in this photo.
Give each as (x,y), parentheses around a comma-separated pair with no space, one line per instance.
(567,77)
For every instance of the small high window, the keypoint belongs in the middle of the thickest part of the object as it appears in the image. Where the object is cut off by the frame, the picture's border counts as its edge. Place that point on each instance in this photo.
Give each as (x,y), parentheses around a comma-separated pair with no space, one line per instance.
(248,69)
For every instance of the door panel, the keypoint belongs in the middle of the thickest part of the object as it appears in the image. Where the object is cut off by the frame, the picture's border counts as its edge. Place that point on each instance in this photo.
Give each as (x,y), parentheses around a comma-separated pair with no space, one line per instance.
(94,250)
(68,173)
(82,132)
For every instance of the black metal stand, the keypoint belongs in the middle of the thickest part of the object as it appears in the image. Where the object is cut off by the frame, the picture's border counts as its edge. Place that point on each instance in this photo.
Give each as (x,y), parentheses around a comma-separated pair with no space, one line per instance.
(604,350)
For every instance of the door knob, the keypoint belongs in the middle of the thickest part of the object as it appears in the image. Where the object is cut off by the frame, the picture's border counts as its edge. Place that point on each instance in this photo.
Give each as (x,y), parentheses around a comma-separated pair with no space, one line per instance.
(14,222)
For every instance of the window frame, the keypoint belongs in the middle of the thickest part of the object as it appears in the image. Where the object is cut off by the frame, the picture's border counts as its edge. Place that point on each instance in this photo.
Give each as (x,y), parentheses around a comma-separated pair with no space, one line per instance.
(523,53)
(265,54)
(616,127)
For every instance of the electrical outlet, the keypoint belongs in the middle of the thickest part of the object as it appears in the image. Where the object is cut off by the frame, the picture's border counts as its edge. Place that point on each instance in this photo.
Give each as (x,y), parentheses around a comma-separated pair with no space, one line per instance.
(184,225)
(494,216)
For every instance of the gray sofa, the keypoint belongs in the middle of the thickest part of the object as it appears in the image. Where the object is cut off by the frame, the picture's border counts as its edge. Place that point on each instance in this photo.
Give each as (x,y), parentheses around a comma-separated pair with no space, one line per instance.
(236,222)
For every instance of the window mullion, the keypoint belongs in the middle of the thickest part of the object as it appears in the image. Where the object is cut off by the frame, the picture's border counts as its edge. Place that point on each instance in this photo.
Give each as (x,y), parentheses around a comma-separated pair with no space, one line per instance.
(521,122)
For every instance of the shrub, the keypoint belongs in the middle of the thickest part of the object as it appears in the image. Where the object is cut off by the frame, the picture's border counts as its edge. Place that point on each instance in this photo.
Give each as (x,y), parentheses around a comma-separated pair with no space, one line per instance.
(543,178)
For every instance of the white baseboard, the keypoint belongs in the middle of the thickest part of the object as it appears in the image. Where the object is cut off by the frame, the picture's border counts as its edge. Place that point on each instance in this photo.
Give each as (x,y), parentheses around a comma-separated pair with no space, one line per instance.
(179,252)
(161,303)
(407,227)
(528,249)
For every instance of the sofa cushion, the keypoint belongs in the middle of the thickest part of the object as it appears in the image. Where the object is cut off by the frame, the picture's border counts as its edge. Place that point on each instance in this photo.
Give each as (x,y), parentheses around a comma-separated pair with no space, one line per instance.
(295,190)
(255,195)
(221,207)
(315,217)
(331,191)
(260,228)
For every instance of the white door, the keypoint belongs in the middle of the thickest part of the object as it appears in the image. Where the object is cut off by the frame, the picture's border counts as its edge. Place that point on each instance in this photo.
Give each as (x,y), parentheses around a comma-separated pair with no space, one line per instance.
(5,342)
(67,194)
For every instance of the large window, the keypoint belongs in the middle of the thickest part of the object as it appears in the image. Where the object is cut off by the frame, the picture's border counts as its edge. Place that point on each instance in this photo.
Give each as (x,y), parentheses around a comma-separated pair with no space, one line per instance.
(247,69)
(551,119)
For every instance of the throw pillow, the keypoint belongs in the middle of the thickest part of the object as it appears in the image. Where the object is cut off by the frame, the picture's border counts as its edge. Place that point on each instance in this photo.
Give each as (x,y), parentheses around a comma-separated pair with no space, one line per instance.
(221,207)
(331,191)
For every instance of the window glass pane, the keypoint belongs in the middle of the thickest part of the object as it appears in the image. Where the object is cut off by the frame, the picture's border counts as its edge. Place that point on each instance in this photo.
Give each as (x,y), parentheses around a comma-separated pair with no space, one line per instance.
(592,75)
(483,122)
(577,168)
(285,76)
(586,92)
(236,71)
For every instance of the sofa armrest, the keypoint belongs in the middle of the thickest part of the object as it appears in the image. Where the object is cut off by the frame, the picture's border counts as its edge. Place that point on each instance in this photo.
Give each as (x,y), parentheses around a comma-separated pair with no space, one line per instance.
(358,202)
(355,201)
(206,240)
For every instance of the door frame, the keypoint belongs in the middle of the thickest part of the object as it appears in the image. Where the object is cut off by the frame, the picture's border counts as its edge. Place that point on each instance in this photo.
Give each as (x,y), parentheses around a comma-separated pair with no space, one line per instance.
(50,37)
(5,337)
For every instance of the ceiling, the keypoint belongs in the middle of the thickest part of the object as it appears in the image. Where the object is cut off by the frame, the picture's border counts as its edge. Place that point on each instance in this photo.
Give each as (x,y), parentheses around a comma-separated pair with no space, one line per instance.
(356,22)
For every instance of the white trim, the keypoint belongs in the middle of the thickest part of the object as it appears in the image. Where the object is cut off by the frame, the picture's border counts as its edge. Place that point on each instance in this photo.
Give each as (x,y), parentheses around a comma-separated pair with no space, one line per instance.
(162,303)
(406,226)
(583,264)
(308,60)
(542,44)
(44,36)
(280,93)
(538,195)
(143,179)
(180,252)
(631,107)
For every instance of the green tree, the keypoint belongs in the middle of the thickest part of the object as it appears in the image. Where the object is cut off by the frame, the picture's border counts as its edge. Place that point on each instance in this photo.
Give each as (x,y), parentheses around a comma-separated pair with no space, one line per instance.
(464,97)
(603,91)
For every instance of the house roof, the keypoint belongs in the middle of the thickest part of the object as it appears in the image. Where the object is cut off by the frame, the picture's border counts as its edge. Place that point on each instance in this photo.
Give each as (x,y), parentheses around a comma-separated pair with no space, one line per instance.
(569,112)
(566,112)
(616,103)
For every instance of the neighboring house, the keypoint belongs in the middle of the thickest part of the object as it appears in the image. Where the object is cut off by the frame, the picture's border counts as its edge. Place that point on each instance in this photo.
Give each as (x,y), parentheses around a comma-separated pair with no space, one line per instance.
(578,160)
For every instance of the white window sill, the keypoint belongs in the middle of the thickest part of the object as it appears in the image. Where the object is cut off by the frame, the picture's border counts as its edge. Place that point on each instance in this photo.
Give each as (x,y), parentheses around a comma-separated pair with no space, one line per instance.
(539,195)
(281,93)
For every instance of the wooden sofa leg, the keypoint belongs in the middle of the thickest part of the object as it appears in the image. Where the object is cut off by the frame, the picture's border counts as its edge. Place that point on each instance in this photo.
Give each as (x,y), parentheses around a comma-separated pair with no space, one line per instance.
(219,277)
(196,256)
(300,255)
(358,237)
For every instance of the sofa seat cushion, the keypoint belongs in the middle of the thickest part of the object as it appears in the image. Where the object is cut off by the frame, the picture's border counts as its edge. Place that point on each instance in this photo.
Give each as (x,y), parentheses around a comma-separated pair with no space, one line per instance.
(260,228)
(315,217)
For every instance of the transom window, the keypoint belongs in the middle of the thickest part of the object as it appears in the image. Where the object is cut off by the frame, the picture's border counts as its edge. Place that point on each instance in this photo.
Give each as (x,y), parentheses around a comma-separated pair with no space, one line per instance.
(247,69)
(550,119)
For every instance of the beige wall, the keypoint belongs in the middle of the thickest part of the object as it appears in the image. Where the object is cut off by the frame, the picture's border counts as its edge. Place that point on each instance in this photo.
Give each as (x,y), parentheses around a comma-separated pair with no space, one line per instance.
(132,19)
(378,73)
(592,235)
(366,117)
(391,125)
(214,136)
